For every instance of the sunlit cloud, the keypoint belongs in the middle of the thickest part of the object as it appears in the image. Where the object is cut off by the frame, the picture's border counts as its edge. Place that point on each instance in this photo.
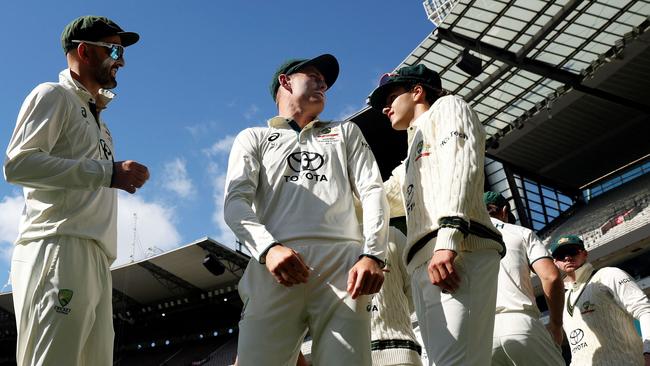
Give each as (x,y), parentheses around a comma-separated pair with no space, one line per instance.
(144,229)
(221,147)
(177,180)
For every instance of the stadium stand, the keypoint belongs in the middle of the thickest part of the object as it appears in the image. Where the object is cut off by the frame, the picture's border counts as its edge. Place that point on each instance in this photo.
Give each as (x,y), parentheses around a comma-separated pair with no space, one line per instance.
(607,216)
(167,310)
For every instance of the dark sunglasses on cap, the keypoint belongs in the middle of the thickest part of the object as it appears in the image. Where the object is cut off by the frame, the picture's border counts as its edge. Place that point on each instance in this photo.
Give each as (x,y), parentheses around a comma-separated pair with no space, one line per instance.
(560,254)
(116,50)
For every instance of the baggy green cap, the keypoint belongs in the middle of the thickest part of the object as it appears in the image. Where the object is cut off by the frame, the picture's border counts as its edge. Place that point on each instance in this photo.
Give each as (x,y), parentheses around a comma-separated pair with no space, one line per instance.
(494,198)
(326,64)
(416,74)
(567,240)
(94,28)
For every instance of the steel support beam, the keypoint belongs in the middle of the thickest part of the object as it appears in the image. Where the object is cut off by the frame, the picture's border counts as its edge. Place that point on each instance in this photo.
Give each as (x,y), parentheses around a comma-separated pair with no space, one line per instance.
(536,67)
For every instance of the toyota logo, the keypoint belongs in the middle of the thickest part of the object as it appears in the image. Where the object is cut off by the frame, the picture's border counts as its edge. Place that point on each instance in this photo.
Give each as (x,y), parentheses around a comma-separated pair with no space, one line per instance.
(576,336)
(305,160)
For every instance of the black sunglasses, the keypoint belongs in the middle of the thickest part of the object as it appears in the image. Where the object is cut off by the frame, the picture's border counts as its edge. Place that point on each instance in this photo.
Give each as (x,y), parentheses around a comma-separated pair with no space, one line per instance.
(560,254)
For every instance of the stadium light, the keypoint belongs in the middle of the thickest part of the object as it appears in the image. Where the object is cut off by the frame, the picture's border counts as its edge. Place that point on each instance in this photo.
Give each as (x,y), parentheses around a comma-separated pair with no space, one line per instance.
(470,64)
(213,264)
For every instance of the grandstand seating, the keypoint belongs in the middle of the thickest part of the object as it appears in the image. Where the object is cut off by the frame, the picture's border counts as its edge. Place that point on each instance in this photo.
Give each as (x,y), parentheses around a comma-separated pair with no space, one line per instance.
(588,220)
(222,356)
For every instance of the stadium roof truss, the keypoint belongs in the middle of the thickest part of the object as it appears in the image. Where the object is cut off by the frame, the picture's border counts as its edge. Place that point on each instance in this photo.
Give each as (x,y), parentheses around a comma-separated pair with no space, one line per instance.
(562,91)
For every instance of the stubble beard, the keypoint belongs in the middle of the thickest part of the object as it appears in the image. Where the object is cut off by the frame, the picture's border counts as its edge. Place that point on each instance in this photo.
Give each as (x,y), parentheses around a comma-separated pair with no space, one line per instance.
(103,74)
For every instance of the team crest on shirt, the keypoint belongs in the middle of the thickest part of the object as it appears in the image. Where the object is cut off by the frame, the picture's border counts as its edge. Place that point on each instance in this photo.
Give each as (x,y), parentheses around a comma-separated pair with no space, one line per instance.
(65,296)
(587,307)
(329,135)
(422,150)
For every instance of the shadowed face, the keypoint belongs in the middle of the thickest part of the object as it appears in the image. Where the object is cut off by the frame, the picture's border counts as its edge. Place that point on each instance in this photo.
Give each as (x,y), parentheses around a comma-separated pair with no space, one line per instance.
(105,68)
(570,258)
(399,107)
(308,87)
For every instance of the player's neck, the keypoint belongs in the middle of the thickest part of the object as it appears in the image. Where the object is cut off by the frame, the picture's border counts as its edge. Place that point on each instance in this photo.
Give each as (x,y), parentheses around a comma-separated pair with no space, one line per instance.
(420,109)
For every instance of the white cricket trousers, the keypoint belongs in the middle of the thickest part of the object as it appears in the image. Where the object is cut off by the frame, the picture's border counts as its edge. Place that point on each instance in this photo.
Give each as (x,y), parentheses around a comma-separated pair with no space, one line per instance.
(520,340)
(276,318)
(457,328)
(62,298)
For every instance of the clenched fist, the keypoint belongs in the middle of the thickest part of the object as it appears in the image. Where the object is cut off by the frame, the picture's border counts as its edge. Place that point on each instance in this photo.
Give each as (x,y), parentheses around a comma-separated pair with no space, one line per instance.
(129,175)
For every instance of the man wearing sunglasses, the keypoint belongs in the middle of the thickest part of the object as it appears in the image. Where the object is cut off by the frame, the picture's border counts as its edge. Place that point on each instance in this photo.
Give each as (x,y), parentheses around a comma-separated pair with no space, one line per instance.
(600,308)
(520,337)
(289,198)
(452,250)
(61,152)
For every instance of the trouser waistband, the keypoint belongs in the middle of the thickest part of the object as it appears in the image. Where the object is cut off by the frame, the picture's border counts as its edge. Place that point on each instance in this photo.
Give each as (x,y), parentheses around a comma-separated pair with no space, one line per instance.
(383,344)
(475,228)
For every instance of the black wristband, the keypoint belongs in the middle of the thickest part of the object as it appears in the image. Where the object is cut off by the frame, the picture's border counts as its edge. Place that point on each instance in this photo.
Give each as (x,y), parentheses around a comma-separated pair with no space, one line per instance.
(381,263)
(263,255)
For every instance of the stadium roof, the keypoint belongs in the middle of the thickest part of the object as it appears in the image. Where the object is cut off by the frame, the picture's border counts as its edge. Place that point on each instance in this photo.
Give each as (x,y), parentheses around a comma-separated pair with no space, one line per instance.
(172,274)
(539,58)
(562,91)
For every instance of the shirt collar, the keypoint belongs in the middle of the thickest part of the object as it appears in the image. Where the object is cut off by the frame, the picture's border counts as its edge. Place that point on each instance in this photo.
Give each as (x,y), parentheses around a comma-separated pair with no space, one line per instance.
(289,123)
(582,275)
(413,128)
(104,96)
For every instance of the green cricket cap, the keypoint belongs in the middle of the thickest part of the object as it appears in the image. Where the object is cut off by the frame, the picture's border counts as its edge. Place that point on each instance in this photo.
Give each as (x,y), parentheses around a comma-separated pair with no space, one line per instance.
(94,28)
(416,74)
(565,241)
(326,64)
(494,198)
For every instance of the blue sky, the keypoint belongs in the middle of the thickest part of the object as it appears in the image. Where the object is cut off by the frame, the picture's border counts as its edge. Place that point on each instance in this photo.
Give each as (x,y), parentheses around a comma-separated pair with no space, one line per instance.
(198,76)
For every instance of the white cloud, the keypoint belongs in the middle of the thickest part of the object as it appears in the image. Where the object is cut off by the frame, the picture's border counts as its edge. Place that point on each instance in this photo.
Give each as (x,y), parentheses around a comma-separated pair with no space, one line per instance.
(221,147)
(154,225)
(201,129)
(251,112)
(155,228)
(348,111)
(11,207)
(225,235)
(175,178)
(217,167)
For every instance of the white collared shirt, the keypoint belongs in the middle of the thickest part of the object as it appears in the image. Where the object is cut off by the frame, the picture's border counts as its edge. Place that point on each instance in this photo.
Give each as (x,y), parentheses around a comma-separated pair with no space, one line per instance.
(289,185)
(63,158)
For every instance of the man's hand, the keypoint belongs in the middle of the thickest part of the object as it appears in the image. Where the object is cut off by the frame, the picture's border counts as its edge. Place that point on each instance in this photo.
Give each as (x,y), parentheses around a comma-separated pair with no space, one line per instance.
(129,175)
(556,333)
(442,272)
(286,265)
(365,278)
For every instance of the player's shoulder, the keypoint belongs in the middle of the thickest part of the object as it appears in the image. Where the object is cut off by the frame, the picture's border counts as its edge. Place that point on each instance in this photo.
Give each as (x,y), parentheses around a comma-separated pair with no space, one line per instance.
(253,134)
(254,131)
(612,273)
(449,101)
(48,89)
(510,228)
(343,125)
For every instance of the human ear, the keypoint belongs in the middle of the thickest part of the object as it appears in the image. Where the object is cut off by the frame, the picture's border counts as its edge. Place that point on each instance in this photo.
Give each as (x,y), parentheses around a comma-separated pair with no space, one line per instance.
(419,94)
(82,52)
(285,81)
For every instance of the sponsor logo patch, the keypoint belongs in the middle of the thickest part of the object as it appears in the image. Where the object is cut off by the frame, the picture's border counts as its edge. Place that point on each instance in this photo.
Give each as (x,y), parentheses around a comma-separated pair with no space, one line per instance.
(575,340)
(410,204)
(328,135)
(305,163)
(105,150)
